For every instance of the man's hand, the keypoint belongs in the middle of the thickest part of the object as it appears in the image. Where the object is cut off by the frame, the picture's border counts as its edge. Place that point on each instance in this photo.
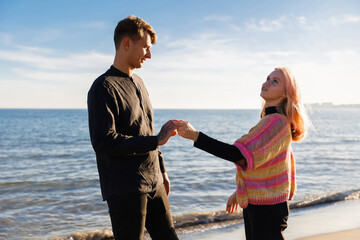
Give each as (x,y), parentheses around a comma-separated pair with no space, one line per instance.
(186,130)
(167,131)
(166,183)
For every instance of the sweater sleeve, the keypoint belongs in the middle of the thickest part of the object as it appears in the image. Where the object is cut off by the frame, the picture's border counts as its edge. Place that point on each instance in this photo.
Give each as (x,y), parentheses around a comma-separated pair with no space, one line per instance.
(268,139)
(217,148)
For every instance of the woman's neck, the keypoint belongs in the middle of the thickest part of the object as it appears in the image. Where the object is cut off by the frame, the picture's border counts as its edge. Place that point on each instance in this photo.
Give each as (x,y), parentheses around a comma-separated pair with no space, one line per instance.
(271,110)
(272,103)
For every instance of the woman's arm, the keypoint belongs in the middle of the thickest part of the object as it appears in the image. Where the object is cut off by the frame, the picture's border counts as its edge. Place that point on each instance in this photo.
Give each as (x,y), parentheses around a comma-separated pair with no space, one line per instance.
(220,149)
(210,145)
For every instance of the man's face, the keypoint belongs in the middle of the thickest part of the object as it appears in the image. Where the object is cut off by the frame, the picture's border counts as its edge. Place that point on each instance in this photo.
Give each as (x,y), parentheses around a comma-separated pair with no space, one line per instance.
(140,51)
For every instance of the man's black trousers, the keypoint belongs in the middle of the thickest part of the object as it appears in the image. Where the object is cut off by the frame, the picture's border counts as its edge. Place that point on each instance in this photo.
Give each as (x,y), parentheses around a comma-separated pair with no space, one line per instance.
(130,213)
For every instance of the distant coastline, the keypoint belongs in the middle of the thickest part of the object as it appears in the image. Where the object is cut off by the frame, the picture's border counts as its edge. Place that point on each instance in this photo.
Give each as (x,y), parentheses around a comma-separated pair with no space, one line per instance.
(331,105)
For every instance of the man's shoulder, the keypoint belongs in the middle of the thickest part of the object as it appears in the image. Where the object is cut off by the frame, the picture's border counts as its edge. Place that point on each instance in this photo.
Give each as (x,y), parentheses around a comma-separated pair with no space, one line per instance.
(99,82)
(135,76)
(106,80)
(138,79)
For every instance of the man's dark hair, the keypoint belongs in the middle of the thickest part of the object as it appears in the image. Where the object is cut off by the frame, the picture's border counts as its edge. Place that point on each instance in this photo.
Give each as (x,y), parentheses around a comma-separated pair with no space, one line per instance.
(134,28)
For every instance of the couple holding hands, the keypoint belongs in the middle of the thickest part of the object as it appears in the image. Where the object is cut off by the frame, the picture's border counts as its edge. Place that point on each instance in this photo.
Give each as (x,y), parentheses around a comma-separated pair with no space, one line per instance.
(131,167)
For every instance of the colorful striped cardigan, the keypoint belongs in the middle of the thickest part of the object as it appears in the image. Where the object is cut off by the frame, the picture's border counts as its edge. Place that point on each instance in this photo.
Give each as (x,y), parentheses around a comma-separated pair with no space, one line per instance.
(269,177)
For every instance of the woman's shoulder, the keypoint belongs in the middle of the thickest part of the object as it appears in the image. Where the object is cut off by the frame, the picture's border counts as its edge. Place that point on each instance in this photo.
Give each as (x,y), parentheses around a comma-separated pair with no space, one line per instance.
(270,122)
(276,117)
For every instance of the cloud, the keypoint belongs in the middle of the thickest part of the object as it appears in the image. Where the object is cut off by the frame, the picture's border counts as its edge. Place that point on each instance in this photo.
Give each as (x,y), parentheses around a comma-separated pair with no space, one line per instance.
(218,51)
(42,36)
(5,38)
(217,70)
(213,70)
(218,18)
(22,93)
(345,19)
(49,59)
(52,77)
(349,56)
(209,69)
(47,78)
(35,50)
(325,24)
(302,20)
(265,25)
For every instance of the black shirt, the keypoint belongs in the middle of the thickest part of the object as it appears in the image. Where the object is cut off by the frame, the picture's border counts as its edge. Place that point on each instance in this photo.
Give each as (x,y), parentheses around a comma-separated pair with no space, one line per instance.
(221,149)
(122,134)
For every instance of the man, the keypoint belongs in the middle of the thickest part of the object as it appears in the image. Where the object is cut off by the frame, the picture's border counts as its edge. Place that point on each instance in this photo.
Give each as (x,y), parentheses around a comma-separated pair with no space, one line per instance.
(132,172)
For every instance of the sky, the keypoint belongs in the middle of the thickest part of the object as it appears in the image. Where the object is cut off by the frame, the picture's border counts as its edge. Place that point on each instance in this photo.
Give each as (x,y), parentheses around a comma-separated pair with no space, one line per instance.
(209,54)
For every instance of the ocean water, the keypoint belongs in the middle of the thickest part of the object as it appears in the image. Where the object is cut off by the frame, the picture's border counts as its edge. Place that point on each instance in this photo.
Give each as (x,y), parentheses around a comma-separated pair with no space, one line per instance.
(49,184)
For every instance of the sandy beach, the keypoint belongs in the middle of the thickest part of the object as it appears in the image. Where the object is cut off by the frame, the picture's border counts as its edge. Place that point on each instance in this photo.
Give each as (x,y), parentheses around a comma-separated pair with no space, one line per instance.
(344,235)
(338,221)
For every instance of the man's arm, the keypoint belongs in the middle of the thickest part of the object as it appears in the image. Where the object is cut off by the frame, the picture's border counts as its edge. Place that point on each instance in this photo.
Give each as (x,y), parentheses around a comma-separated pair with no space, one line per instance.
(102,106)
(166,179)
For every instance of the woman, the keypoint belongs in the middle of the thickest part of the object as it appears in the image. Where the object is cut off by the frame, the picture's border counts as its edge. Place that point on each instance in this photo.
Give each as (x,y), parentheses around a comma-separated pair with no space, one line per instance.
(264,159)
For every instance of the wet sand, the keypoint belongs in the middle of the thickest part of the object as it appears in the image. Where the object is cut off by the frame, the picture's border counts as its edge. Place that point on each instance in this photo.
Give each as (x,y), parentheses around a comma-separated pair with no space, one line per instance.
(336,220)
(352,234)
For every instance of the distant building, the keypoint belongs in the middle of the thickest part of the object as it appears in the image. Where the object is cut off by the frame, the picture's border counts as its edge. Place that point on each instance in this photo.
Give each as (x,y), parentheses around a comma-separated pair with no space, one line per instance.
(331,105)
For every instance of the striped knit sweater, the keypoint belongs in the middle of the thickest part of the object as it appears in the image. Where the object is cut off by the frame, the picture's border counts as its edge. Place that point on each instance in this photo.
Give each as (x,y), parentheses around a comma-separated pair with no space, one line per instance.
(269,177)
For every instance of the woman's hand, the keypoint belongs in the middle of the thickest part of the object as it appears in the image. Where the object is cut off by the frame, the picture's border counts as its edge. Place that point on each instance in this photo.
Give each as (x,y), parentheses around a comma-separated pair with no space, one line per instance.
(232,204)
(186,130)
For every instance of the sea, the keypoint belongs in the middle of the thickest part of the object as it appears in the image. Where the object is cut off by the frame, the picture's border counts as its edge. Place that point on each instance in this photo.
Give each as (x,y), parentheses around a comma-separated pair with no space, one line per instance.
(49,184)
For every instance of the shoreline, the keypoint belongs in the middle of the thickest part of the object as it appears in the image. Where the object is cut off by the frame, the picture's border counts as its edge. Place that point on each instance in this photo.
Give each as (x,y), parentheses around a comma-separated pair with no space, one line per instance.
(328,221)
(313,223)
(352,234)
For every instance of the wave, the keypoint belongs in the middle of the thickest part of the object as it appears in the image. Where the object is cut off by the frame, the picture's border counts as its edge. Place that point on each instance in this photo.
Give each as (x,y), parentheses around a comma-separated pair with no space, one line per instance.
(323,143)
(329,198)
(200,221)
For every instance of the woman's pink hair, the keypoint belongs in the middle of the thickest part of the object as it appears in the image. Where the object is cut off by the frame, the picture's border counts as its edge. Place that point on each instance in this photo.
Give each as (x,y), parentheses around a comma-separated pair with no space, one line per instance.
(292,107)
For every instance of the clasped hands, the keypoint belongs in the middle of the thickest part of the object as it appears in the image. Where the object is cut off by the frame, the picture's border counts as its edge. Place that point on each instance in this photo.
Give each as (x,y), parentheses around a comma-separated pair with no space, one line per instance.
(180,127)
(186,130)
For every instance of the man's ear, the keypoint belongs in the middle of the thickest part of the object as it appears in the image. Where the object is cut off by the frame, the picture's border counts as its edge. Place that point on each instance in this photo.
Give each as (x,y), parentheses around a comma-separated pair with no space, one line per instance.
(126,42)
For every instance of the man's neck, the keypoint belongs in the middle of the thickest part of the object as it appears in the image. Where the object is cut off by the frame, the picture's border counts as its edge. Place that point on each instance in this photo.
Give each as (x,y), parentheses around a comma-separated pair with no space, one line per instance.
(122,66)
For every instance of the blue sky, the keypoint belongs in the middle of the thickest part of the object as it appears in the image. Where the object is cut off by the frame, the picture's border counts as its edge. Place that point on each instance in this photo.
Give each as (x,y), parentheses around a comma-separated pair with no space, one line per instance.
(209,54)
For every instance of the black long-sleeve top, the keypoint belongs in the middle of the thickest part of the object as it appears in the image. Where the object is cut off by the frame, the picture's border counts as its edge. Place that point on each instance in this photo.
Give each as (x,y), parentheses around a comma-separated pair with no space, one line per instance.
(122,134)
(221,149)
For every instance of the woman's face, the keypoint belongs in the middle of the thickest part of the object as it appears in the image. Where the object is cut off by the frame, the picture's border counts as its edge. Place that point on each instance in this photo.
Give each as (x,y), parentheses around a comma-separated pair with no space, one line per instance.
(273,89)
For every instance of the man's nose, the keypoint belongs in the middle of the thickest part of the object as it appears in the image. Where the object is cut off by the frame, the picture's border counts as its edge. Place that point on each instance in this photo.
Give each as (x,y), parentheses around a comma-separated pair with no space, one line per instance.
(148,54)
